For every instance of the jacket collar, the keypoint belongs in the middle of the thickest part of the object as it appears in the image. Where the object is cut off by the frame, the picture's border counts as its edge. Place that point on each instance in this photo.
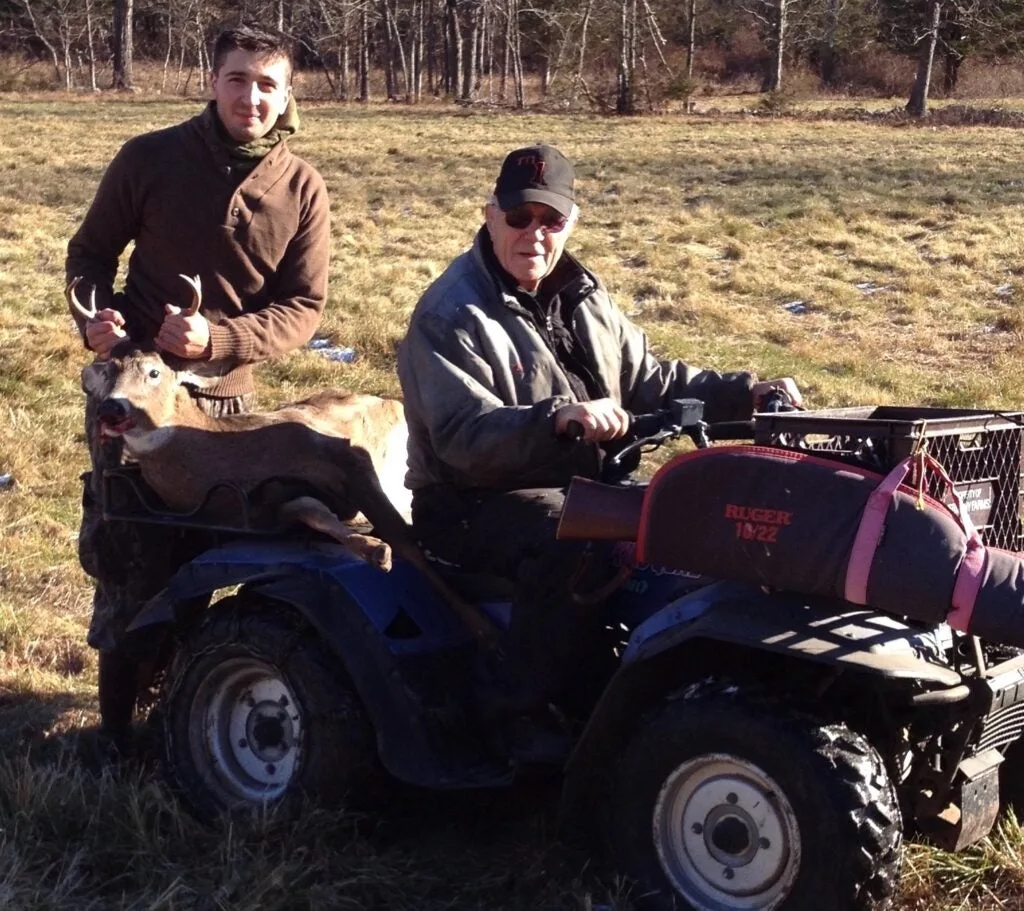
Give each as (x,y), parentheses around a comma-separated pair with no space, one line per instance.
(266,173)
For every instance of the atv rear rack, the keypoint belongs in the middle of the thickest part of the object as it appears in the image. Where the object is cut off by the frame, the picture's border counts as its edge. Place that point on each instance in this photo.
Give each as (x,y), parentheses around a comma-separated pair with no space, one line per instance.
(127,498)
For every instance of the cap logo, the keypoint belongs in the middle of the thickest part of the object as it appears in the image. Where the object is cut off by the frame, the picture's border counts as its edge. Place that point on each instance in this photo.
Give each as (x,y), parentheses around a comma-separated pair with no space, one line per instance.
(537,163)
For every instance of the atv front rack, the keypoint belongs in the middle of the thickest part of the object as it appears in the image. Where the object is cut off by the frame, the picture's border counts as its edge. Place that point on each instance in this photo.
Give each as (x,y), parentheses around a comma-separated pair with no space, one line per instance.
(980,450)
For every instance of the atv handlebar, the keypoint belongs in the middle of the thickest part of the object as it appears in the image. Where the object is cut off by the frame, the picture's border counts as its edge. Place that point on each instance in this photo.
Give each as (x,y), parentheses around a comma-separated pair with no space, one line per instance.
(683,416)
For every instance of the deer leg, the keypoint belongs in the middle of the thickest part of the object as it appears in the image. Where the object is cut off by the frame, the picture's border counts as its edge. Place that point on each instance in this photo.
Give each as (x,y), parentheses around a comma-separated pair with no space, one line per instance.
(387,522)
(316,515)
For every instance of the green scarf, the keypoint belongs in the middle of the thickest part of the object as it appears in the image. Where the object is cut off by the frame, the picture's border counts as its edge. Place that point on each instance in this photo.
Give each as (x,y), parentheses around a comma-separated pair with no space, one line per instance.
(246,155)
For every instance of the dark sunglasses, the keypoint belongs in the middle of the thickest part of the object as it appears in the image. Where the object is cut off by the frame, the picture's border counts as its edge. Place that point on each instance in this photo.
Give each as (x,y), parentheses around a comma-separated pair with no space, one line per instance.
(521,217)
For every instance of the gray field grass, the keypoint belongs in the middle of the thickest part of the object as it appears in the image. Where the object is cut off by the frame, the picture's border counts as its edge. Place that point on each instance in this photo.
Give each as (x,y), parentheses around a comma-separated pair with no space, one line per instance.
(876,264)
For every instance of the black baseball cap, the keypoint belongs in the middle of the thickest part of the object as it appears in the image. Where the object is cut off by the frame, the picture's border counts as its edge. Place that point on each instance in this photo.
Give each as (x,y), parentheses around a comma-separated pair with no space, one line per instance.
(536,174)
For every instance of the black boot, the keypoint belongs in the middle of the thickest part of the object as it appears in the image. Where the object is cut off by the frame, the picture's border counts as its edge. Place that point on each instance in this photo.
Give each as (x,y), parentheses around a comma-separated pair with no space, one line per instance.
(118,679)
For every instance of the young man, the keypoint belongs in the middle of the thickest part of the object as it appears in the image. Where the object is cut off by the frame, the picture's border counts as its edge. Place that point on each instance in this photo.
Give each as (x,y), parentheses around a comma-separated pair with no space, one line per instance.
(220,196)
(515,340)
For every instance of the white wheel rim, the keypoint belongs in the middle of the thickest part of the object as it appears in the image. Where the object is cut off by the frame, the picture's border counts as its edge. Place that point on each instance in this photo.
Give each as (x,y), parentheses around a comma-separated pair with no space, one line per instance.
(249,745)
(726,836)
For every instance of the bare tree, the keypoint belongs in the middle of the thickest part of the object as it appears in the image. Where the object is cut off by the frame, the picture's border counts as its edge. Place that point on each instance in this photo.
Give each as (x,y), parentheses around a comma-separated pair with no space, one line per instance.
(772,17)
(54,25)
(89,45)
(418,47)
(124,14)
(364,55)
(454,54)
(516,54)
(471,37)
(917,104)
(625,96)
(691,37)
(588,11)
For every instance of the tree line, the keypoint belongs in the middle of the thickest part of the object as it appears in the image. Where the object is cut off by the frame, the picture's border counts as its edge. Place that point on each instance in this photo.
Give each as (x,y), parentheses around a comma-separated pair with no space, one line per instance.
(624,56)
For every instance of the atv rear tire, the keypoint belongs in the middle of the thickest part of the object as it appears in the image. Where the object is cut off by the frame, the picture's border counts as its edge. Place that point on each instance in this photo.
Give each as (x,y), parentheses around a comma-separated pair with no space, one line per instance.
(726,801)
(258,711)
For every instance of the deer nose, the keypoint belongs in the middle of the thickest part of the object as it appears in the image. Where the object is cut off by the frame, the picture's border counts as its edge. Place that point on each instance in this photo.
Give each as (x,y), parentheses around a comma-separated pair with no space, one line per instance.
(111,410)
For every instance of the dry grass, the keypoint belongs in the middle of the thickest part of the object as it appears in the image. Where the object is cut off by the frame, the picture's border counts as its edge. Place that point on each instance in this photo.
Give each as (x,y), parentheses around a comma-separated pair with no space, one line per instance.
(901,246)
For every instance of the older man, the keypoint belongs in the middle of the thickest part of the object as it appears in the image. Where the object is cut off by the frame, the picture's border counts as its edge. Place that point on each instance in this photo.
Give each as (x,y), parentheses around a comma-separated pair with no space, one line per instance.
(513,342)
(223,197)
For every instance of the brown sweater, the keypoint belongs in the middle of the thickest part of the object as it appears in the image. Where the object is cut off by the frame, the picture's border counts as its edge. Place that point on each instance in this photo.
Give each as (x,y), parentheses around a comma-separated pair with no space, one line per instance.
(260,244)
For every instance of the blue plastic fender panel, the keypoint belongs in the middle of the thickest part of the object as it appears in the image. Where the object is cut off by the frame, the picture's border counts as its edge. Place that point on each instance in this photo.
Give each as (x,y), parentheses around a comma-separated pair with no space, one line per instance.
(401,605)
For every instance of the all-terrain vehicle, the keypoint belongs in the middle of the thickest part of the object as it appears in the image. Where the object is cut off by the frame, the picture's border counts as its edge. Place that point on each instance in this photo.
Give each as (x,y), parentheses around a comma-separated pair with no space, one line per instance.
(748,748)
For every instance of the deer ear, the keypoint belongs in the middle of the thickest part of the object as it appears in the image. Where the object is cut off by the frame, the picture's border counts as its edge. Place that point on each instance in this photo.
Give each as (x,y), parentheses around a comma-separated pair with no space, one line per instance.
(94,378)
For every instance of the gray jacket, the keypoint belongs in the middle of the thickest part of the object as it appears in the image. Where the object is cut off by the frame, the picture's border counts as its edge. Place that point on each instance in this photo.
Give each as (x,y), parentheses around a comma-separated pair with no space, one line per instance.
(481,382)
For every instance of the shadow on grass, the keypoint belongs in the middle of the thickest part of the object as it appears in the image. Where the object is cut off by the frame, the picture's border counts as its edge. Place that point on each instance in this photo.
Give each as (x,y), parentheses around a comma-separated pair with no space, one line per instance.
(73,838)
(44,726)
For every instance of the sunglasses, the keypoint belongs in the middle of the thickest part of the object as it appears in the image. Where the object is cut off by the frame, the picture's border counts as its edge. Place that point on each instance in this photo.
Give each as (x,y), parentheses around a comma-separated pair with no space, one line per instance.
(521,217)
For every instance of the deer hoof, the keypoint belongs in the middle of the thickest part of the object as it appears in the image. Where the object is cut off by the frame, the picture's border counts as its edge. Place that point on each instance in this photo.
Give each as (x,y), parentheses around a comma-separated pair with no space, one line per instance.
(381,558)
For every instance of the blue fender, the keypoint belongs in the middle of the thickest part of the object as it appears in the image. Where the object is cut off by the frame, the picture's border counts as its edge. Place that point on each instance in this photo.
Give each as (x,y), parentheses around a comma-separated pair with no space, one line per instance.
(370,619)
(675,644)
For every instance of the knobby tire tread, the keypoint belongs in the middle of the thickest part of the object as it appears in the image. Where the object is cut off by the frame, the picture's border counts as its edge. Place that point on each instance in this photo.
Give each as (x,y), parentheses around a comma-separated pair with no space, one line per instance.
(850,768)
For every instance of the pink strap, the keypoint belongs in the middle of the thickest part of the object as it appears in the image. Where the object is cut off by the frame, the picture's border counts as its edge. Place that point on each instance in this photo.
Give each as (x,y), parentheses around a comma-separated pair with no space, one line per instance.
(970,572)
(968,583)
(869,533)
(972,567)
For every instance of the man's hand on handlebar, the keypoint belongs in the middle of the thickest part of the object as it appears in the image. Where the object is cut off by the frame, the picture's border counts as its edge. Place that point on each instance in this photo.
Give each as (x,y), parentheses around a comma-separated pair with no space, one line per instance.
(785,387)
(601,420)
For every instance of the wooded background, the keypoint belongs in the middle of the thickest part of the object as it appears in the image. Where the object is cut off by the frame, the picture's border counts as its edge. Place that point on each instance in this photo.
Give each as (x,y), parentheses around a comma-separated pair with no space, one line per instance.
(622,56)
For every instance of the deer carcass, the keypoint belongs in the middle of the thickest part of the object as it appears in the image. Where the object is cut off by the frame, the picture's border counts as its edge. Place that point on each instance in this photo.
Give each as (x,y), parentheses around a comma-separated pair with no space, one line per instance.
(305,463)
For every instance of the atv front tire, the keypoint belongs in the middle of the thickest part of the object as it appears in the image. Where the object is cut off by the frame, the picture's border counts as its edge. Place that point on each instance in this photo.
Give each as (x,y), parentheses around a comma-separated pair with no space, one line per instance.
(726,801)
(257,711)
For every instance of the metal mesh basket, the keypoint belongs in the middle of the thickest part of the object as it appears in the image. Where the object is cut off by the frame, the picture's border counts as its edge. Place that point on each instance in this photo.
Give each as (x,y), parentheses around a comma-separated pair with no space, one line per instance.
(980,450)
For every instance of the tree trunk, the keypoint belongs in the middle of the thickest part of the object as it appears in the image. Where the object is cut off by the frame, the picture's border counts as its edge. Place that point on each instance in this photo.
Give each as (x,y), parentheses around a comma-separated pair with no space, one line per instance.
(626,95)
(691,38)
(518,81)
(416,52)
(487,50)
(92,50)
(124,14)
(364,56)
(829,57)
(951,72)
(390,53)
(345,54)
(581,59)
(430,51)
(469,48)
(170,48)
(774,81)
(453,82)
(69,80)
(403,64)
(917,105)
(506,54)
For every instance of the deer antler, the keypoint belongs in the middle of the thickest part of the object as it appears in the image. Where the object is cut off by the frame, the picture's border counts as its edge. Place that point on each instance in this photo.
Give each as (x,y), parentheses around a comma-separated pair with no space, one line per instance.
(76,304)
(197,294)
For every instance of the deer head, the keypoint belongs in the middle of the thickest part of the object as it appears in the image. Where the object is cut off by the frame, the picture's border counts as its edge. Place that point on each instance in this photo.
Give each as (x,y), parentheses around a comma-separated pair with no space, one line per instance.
(139,394)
